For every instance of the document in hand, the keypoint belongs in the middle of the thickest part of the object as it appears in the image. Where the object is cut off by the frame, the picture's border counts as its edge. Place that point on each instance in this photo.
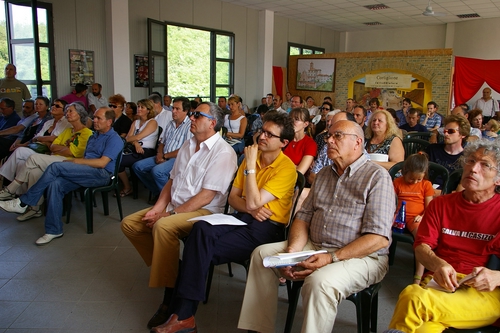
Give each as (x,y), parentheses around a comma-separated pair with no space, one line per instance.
(434,285)
(289,259)
(219,219)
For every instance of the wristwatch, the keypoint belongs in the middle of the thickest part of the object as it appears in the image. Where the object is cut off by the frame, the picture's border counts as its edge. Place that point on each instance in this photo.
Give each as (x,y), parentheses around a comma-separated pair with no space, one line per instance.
(247,172)
(172,212)
(334,257)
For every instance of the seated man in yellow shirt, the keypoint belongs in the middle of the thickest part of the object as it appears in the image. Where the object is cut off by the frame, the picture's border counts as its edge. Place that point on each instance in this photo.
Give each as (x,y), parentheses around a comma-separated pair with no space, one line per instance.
(262,195)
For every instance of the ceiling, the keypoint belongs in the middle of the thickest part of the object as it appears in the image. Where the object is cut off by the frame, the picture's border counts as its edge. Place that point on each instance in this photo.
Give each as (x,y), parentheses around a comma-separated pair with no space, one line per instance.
(350,15)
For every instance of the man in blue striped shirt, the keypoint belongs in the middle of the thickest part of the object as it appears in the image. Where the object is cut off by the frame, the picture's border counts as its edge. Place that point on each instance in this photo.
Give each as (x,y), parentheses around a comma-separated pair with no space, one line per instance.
(154,171)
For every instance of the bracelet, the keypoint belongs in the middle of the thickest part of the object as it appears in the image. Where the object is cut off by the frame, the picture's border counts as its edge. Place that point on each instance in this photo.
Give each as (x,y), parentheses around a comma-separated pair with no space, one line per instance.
(417,277)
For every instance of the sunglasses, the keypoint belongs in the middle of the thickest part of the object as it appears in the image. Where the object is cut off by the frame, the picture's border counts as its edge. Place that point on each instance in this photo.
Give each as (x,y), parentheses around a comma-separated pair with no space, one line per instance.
(57,106)
(450,131)
(114,106)
(198,114)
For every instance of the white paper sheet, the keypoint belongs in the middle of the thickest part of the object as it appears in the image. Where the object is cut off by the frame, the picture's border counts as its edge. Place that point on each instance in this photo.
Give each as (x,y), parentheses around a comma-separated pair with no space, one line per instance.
(219,219)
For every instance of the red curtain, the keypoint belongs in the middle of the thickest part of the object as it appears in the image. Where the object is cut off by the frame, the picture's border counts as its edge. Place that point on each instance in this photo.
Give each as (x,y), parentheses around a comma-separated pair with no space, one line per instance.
(279,81)
(470,74)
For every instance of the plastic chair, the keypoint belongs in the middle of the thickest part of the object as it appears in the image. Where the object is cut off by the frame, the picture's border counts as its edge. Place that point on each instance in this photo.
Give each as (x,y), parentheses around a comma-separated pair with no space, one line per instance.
(454,180)
(413,146)
(419,135)
(366,302)
(299,186)
(89,195)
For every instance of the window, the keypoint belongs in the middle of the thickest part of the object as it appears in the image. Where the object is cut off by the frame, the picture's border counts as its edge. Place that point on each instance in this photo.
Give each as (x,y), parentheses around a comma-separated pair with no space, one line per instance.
(190,61)
(26,41)
(298,49)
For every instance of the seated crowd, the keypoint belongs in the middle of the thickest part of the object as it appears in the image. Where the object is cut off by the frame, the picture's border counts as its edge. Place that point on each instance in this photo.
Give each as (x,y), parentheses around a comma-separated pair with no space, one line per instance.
(194,156)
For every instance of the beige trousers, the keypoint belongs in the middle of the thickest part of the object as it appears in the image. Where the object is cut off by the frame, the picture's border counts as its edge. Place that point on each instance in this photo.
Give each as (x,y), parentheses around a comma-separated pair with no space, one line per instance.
(322,291)
(159,246)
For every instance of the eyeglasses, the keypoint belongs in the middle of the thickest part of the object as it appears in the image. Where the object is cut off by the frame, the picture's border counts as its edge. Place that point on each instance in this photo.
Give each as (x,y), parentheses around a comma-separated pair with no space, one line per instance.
(57,106)
(267,134)
(338,136)
(485,166)
(197,114)
(114,106)
(451,131)
(326,109)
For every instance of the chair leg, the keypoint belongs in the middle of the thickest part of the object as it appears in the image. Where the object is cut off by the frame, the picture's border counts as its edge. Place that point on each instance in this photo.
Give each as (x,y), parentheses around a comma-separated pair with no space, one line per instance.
(229,269)
(209,282)
(392,252)
(293,299)
(89,199)
(119,203)
(374,313)
(135,184)
(67,203)
(105,202)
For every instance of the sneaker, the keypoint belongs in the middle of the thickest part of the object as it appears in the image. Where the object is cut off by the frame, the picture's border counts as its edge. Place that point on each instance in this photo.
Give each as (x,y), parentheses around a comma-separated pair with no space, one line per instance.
(13,206)
(30,214)
(47,238)
(6,195)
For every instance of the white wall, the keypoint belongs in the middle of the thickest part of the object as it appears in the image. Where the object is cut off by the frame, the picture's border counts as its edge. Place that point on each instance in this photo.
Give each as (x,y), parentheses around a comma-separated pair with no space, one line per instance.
(430,37)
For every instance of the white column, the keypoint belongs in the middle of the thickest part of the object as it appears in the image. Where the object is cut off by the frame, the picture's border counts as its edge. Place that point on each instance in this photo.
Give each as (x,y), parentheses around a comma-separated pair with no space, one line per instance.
(450,36)
(119,69)
(265,50)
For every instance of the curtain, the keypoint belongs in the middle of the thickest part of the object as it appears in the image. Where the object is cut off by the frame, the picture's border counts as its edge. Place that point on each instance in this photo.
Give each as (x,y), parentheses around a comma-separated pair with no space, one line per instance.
(279,81)
(470,74)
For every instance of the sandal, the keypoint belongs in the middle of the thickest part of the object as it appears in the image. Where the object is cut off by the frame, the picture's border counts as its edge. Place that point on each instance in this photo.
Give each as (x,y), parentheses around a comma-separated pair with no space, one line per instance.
(124,193)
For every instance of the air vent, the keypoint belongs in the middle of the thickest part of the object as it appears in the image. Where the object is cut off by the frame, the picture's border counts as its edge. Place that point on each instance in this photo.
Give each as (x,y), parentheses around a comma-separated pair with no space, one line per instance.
(465,16)
(378,6)
(372,23)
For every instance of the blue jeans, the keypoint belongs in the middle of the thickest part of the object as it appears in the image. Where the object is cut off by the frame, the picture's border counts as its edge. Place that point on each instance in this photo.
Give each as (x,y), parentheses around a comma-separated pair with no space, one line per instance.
(153,176)
(59,179)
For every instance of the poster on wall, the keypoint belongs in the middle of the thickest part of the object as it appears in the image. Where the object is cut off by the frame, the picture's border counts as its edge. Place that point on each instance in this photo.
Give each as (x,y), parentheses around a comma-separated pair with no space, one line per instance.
(141,70)
(316,74)
(81,67)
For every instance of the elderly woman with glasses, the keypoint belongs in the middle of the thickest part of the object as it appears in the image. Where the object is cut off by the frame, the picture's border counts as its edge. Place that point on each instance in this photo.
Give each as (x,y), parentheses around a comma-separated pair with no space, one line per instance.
(382,137)
(141,140)
(122,122)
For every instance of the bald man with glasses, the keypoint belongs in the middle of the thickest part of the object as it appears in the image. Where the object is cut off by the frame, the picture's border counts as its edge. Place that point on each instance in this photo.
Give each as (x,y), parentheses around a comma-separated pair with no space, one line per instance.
(198,185)
(349,214)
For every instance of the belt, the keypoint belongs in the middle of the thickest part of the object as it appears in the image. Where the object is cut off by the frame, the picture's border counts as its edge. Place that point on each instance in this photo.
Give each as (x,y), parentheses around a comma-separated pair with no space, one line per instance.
(281,225)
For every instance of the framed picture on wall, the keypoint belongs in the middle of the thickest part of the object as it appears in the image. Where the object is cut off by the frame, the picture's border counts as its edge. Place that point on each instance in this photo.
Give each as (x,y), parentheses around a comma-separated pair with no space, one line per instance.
(141,70)
(316,74)
(81,67)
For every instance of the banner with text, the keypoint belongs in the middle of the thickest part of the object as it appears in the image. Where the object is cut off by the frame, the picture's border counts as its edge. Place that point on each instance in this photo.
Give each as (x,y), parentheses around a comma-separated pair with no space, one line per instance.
(388,80)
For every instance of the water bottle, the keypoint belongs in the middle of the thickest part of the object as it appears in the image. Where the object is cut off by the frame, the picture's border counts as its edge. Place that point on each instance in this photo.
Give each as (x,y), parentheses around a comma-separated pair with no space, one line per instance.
(400,220)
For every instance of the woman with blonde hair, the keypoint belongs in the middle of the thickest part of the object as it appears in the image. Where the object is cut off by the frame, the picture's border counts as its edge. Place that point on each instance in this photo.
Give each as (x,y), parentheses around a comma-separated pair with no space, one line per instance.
(236,125)
(382,137)
(141,141)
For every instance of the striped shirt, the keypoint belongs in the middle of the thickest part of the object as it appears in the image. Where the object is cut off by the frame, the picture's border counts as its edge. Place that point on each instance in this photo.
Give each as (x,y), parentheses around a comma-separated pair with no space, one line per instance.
(173,137)
(340,209)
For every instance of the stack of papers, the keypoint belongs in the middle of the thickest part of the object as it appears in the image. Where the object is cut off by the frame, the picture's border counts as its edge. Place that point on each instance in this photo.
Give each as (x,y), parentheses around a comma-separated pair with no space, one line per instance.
(289,259)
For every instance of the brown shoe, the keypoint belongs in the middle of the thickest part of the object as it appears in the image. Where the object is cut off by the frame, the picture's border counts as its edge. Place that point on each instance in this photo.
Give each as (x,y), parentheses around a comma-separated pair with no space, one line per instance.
(160,317)
(173,325)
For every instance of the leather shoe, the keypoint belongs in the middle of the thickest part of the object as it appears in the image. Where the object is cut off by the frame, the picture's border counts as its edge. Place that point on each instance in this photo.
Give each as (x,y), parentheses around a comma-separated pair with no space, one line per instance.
(159,317)
(174,325)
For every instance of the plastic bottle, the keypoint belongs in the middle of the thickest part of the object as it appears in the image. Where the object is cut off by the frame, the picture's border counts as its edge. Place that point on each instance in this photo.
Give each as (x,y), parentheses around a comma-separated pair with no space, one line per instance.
(400,220)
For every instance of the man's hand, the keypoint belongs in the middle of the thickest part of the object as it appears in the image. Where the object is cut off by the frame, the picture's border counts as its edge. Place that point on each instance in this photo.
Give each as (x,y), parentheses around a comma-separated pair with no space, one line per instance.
(446,277)
(251,155)
(261,214)
(159,158)
(485,280)
(153,216)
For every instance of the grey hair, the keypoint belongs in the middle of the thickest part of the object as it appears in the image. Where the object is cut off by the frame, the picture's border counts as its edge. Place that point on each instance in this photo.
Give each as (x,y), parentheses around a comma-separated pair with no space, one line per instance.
(80,109)
(490,148)
(217,112)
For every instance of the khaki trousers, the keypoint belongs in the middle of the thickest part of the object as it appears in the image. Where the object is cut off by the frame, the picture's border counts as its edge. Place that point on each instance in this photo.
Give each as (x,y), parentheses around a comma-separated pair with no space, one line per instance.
(322,291)
(159,246)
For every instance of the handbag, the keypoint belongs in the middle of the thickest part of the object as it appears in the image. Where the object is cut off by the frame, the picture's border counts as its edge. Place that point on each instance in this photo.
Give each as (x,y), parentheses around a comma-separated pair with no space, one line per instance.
(39,148)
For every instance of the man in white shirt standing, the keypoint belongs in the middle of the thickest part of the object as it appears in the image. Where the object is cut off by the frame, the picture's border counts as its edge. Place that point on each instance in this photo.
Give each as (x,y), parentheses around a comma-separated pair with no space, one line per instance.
(198,186)
(488,105)
(96,100)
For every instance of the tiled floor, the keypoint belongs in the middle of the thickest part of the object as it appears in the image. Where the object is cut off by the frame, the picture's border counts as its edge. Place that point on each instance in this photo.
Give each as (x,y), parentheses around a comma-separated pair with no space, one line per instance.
(98,283)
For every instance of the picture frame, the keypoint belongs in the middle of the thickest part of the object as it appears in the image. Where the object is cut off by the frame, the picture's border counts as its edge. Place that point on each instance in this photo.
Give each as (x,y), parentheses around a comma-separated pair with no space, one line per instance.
(316,74)
(81,67)
(141,78)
